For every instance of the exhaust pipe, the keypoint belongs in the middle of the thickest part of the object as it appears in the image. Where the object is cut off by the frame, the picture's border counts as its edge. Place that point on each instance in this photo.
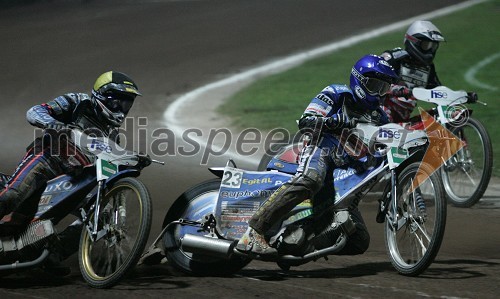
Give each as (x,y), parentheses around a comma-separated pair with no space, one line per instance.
(207,246)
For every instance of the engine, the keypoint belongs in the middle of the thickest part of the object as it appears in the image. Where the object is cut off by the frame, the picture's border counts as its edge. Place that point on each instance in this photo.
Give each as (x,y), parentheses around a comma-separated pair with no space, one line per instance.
(322,233)
(28,242)
(334,224)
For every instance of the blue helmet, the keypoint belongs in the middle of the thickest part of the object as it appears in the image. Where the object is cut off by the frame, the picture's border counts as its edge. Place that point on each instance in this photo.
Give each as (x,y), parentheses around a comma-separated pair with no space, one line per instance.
(371,78)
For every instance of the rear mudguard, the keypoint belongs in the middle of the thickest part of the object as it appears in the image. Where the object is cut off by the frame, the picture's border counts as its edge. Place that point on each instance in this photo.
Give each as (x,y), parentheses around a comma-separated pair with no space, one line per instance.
(217,171)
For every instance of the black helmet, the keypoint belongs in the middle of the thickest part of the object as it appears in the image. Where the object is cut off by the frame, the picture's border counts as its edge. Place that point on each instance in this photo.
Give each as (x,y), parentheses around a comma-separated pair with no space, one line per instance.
(112,96)
(422,41)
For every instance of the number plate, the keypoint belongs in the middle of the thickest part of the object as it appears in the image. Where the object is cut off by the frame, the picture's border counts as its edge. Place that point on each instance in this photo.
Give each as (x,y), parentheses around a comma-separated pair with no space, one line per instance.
(105,169)
(396,156)
(232,178)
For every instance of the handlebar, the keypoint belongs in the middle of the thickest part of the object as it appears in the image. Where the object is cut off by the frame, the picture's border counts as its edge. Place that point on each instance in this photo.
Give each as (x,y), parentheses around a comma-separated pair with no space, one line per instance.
(158,162)
(146,160)
(472,97)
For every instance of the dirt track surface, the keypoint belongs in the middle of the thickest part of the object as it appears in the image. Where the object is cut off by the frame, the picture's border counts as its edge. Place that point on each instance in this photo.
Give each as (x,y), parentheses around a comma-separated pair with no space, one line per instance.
(171,47)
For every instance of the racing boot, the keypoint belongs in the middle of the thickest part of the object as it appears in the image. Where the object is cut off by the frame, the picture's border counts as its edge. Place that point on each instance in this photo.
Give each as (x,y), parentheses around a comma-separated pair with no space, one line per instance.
(255,243)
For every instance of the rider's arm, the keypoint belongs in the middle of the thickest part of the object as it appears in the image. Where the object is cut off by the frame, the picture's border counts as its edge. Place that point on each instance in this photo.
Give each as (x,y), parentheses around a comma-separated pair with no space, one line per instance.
(59,110)
(395,57)
(400,91)
(326,108)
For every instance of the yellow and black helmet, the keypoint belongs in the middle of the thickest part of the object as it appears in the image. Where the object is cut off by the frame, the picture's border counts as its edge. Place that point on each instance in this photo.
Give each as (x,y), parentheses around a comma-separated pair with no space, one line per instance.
(113,95)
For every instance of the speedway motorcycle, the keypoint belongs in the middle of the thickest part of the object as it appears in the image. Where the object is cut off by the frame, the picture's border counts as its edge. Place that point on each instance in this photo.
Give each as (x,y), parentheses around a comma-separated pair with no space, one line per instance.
(114,206)
(203,226)
(466,175)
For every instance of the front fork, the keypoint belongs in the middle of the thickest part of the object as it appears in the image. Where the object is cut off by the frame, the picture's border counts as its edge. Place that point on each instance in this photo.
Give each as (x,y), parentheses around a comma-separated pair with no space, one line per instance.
(394,203)
(388,209)
(92,227)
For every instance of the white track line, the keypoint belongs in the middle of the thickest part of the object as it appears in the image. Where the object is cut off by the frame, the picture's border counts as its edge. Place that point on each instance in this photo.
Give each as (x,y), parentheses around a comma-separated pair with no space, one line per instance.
(179,125)
(470,75)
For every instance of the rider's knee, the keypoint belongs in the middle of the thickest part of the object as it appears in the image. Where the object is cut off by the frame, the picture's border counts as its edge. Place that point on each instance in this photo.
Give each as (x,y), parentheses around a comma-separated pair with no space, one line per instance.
(311,180)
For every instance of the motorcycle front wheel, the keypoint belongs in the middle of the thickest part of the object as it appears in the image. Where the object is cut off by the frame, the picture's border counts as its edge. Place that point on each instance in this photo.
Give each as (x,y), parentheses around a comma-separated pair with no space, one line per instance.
(193,205)
(414,232)
(126,214)
(466,174)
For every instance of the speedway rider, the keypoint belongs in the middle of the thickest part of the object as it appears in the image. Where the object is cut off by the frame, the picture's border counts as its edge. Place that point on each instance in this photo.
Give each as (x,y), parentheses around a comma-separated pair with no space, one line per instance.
(52,155)
(415,67)
(336,107)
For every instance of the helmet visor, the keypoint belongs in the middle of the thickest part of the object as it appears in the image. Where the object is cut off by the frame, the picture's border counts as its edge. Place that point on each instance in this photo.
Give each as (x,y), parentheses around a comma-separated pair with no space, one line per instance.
(376,86)
(119,102)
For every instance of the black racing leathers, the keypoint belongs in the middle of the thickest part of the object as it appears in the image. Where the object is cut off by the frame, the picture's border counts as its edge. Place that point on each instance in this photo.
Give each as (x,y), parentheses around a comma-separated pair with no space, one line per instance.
(51,154)
(412,74)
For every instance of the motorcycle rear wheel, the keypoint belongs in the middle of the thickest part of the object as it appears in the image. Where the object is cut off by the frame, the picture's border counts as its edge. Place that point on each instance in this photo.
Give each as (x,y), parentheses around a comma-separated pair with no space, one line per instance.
(414,244)
(127,209)
(467,174)
(192,205)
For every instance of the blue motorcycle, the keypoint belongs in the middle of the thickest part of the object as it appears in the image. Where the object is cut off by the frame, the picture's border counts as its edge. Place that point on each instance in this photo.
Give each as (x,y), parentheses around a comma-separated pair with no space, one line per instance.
(203,225)
(114,206)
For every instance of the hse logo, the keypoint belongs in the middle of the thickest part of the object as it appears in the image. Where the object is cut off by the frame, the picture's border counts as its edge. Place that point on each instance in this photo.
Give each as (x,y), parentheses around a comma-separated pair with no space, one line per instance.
(97,145)
(388,133)
(436,94)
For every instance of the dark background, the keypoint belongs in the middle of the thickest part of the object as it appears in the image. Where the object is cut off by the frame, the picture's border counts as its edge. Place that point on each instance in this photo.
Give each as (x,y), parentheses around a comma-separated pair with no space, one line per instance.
(170,47)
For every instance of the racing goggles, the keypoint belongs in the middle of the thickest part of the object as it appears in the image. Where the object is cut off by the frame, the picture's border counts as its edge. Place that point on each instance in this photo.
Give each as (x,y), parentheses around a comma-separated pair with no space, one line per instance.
(427,45)
(119,102)
(376,86)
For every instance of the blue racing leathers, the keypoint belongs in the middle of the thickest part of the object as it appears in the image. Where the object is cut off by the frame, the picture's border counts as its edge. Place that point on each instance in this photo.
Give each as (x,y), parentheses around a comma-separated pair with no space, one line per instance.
(324,119)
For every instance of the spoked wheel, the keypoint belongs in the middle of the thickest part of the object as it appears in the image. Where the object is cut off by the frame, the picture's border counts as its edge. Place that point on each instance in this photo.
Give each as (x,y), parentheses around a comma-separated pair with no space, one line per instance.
(413,243)
(467,174)
(193,205)
(125,214)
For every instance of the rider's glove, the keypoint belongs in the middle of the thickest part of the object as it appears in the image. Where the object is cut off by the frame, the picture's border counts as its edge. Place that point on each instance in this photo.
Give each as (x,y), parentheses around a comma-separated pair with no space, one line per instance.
(361,166)
(399,91)
(339,121)
(308,122)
